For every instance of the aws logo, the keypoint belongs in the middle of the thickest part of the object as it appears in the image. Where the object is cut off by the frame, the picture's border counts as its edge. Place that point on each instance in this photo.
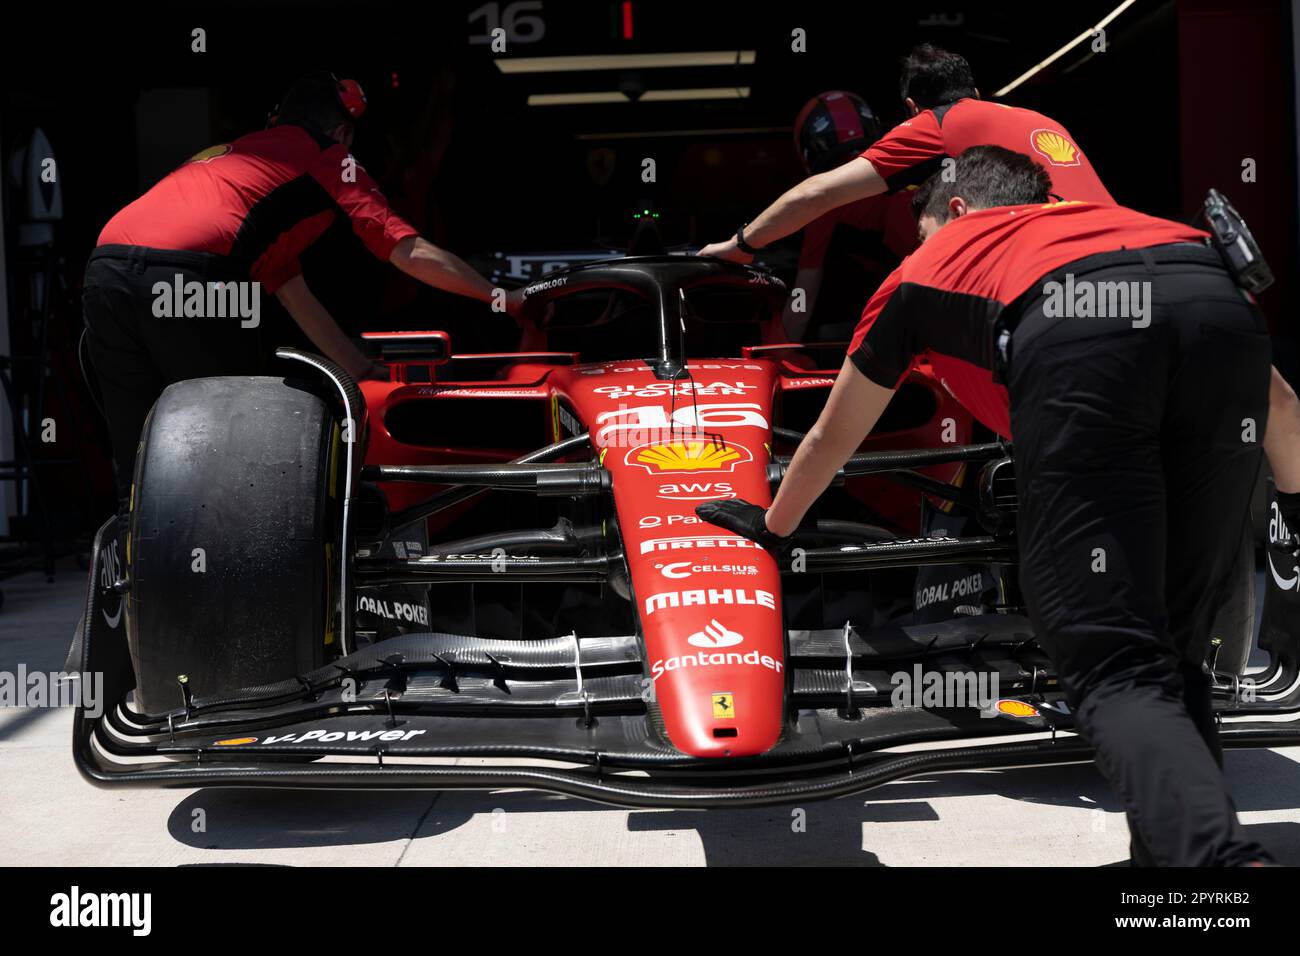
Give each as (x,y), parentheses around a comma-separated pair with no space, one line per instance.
(1055,147)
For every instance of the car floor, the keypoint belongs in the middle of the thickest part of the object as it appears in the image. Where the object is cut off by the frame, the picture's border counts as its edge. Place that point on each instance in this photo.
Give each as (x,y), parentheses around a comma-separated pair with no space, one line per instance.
(1049,816)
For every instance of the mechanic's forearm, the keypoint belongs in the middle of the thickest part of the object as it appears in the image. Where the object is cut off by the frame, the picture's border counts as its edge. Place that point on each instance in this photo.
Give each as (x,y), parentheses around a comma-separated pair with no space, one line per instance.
(318,325)
(852,409)
(422,260)
(815,196)
(793,210)
(818,458)
(1282,436)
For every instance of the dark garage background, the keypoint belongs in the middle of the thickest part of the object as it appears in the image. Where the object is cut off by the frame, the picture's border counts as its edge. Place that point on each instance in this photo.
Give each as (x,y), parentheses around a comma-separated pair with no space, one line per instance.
(1186,91)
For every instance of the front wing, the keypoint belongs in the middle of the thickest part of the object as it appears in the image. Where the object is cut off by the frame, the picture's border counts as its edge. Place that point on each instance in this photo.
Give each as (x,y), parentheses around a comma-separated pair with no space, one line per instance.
(577,717)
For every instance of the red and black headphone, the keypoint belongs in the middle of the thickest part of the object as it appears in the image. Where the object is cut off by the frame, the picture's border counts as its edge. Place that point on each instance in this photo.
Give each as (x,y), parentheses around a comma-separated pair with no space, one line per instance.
(351,99)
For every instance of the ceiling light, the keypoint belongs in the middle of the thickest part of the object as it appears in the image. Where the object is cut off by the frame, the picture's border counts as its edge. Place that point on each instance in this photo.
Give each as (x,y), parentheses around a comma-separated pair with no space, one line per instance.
(1086,34)
(649,96)
(624,61)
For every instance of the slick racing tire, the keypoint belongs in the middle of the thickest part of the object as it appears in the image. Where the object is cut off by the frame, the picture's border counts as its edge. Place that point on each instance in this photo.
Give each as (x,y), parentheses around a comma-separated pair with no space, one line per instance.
(1233,632)
(232,555)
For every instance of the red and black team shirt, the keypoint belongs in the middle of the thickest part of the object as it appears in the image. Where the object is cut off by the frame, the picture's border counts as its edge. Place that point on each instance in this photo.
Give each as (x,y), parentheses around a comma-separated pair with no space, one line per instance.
(260,200)
(889,217)
(910,152)
(937,305)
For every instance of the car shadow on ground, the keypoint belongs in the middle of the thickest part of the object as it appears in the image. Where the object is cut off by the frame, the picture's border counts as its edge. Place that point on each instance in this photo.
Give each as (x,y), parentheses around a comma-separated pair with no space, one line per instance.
(821,833)
(257,819)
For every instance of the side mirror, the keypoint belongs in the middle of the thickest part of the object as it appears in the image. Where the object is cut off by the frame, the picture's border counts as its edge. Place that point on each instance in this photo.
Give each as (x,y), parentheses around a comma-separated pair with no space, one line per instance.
(411,348)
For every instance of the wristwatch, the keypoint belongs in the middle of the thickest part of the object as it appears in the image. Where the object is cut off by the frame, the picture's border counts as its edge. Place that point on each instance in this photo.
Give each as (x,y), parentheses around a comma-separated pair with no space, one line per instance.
(742,245)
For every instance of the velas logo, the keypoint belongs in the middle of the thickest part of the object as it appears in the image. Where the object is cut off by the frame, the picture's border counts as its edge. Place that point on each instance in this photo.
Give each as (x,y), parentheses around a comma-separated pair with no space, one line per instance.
(675,544)
(689,456)
(1055,146)
(715,634)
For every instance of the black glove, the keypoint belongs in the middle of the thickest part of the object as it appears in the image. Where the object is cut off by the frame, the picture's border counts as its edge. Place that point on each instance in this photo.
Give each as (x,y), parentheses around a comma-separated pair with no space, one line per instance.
(743,518)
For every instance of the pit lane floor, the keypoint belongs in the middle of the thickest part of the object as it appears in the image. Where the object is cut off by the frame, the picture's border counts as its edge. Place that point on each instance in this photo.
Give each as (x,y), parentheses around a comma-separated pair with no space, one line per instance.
(1049,816)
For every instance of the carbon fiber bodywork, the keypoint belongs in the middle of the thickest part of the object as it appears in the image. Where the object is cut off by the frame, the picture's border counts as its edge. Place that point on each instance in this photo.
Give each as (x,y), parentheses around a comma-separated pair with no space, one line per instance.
(574,717)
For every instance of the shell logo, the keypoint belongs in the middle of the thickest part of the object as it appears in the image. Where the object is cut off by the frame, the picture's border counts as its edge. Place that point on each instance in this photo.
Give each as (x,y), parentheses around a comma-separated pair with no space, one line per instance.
(234,741)
(212,152)
(678,456)
(1056,146)
(1016,708)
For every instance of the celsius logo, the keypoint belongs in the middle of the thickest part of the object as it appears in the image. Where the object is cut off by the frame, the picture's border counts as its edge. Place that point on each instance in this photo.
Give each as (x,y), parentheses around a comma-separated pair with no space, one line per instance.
(684,569)
(715,635)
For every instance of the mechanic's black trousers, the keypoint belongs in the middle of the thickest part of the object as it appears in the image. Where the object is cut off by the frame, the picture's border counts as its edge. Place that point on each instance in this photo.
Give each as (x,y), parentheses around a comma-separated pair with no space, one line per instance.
(1138,441)
(137,353)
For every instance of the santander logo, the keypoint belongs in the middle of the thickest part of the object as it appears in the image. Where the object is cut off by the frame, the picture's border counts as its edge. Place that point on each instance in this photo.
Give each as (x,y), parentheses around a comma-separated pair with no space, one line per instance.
(715,634)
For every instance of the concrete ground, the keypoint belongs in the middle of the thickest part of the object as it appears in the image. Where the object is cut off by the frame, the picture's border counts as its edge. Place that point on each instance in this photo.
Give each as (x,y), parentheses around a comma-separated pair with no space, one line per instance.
(50,816)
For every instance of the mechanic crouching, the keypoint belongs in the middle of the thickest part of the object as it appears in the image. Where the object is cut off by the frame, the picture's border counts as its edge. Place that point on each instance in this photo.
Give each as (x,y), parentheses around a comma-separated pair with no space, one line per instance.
(234,219)
(1138,433)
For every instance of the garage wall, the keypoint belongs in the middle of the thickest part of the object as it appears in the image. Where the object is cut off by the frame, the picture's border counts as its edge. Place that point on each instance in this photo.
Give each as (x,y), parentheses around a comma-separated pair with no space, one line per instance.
(1237,102)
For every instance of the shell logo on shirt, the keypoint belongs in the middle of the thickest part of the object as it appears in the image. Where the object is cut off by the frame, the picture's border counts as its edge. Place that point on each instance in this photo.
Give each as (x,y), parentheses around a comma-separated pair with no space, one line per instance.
(212,152)
(1055,146)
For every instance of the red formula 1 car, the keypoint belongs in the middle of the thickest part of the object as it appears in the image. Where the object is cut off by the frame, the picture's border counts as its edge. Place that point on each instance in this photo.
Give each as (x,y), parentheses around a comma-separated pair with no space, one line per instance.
(488,572)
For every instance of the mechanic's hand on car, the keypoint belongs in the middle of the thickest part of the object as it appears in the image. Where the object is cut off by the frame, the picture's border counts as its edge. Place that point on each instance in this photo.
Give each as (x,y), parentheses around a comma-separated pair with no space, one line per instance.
(374,372)
(727,250)
(743,518)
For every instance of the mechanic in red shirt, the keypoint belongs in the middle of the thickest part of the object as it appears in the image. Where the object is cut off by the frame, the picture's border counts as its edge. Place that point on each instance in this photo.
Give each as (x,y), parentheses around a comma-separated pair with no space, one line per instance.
(240,215)
(1137,393)
(845,252)
(947,117)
